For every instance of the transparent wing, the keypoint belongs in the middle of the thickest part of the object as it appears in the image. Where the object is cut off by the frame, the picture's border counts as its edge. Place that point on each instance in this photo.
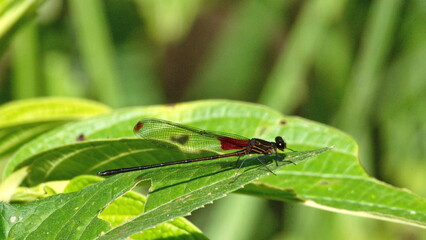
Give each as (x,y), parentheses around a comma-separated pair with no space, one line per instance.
(189,139)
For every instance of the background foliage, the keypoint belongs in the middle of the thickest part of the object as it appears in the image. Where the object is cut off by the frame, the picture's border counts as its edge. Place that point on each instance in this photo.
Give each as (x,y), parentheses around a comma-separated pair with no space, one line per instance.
(356,65)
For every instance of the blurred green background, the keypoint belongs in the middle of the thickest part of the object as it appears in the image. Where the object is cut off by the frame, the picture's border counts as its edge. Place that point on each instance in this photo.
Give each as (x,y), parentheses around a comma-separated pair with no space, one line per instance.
(357,65)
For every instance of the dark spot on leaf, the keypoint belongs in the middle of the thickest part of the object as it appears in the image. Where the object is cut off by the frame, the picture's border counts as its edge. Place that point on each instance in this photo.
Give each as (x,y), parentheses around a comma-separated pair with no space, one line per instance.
(323,182)
(81,138)
(282,122)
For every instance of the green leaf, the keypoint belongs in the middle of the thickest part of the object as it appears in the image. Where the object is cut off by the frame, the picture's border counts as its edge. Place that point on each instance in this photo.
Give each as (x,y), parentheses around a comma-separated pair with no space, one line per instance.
(67,216)
(48,109)
(24,120)
(177,191)
(9,186)
(129,206)
(44,190)
(206,114)
(180,189)
(336,182)
(12,14)
(333,180)
(13,137)
(334,190)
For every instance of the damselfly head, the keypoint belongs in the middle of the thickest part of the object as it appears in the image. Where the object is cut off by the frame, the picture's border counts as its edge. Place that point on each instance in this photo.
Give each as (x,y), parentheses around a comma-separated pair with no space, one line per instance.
(281,145)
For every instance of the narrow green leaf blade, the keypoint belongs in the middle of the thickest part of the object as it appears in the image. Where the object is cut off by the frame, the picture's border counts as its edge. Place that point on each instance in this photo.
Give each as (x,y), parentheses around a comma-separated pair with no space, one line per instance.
(48,109)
